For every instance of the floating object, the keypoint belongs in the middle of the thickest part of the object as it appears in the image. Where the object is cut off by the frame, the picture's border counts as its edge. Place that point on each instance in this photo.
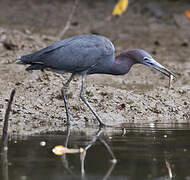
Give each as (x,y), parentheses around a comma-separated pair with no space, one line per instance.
(61,150)
(42,143)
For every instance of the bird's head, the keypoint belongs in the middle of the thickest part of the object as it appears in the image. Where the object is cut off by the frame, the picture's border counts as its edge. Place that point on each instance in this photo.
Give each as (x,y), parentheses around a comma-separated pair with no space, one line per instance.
(142,57)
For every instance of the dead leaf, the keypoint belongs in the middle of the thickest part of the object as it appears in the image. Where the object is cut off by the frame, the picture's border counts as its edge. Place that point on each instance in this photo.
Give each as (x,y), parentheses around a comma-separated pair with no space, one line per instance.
(120,7)
(61,150)
(187,13)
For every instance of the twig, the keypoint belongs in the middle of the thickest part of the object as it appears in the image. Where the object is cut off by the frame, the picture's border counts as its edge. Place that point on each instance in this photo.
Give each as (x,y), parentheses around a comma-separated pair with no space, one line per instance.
(5,125)
(67,26)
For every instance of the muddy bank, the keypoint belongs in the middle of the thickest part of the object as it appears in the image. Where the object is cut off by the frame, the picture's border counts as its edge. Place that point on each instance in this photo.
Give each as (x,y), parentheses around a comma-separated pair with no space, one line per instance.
(38,106)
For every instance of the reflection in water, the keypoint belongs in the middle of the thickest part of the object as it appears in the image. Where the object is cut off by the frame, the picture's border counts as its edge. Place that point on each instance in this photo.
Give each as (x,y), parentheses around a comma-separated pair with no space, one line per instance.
(83,154)
(4,161)
(169,169)
(143,154)
(64,158)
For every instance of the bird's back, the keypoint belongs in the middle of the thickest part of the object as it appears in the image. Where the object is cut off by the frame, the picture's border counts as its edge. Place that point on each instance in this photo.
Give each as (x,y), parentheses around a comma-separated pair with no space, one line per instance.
(74,54)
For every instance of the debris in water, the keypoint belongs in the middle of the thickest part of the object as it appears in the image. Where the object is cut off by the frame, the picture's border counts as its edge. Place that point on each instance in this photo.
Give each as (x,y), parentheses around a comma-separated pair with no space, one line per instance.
(124,131)
(42,143)
(152,125)
(61,150)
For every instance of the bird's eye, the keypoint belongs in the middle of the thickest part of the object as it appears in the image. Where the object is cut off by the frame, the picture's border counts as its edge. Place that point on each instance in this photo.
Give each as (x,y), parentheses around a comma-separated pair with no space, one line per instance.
(145,59)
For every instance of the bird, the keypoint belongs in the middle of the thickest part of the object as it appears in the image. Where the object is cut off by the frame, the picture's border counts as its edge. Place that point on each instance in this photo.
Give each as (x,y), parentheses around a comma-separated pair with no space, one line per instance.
(84,55)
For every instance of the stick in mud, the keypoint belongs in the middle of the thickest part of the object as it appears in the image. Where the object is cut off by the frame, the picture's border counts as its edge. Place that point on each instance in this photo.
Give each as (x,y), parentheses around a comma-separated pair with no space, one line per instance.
(68,23)
(6,119)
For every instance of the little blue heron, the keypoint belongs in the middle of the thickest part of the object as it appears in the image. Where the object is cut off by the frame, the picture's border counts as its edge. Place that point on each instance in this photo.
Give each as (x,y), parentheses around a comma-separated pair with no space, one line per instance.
(85,55)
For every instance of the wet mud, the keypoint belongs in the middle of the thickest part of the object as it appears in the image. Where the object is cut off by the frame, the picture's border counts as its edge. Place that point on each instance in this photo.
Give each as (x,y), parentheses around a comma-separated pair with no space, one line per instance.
(140,97)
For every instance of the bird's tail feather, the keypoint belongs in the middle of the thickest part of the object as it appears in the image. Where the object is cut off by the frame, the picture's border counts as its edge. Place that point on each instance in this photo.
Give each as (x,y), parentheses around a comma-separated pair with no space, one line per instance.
(29,59)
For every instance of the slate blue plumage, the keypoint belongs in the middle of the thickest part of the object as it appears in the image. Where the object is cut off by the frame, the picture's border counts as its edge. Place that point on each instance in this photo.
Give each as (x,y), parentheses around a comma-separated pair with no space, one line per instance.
(87,54)
(75,54)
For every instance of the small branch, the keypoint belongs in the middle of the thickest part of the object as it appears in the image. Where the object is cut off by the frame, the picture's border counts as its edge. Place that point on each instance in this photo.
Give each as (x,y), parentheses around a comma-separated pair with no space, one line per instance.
(5,125)
(67,26)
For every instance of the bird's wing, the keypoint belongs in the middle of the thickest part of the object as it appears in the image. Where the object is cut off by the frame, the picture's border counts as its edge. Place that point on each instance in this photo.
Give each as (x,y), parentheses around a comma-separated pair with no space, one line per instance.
(35,57)
(73,54)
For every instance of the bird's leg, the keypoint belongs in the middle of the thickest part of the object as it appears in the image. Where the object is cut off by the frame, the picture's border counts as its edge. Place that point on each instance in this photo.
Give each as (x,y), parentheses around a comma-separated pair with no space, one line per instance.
(64,92)
(82,96)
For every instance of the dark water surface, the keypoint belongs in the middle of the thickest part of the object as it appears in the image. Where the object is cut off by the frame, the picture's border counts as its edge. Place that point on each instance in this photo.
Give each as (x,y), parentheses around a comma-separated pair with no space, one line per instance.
(142,153)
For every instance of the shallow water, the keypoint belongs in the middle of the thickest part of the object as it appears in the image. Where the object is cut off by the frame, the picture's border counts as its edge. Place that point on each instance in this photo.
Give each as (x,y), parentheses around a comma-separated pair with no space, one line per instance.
(141,153)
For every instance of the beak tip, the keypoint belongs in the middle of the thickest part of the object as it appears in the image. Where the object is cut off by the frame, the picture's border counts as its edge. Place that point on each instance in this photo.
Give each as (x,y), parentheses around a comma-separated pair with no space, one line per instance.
(154,64)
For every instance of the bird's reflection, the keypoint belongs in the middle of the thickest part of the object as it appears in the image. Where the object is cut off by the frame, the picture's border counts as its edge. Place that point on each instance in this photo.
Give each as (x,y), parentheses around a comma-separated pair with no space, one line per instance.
(64,157)
(4,162)
(167,167)
(98,138)
(84,153)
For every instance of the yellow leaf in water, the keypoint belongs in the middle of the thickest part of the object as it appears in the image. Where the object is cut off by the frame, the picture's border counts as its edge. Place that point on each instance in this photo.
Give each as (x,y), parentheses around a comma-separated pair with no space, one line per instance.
(61,150)
(120,7)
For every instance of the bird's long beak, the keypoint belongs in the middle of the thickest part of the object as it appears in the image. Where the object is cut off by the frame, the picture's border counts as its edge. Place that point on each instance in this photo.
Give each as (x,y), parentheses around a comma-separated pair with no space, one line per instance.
(154,64)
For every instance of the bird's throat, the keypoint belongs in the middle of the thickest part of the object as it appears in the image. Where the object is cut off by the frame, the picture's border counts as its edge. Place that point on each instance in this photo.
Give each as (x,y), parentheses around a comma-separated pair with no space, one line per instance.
(122,65)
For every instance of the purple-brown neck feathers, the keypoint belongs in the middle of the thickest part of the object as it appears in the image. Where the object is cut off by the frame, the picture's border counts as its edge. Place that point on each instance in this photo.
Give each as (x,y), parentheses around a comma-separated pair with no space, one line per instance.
(123,63)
